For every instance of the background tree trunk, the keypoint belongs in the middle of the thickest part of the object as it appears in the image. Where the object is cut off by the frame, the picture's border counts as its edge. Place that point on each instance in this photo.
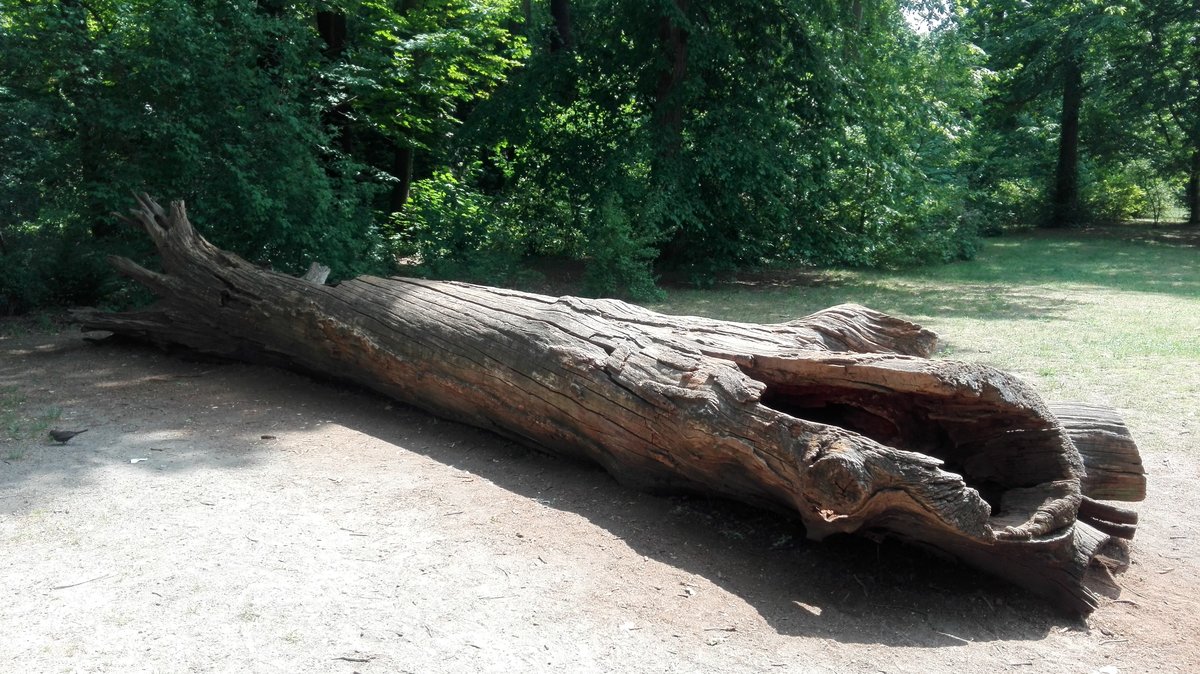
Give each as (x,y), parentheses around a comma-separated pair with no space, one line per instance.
(1193,190)
(562,39)
(668,111)
(1065,197)
(402,171)
(403,153)
(839,418)
(332,28)
(669,108)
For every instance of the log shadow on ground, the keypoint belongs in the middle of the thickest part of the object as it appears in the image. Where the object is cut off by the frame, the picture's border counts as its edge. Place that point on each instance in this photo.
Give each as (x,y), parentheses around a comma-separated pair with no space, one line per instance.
(846,588)
(849,589)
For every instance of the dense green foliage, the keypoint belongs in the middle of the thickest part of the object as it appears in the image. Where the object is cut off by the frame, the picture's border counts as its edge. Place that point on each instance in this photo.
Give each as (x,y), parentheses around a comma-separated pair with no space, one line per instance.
(218,103)
(1136,96)
(471,136)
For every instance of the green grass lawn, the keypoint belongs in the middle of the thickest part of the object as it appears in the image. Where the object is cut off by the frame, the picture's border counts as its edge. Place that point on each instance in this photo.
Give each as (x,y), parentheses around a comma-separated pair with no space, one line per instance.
(1083,316)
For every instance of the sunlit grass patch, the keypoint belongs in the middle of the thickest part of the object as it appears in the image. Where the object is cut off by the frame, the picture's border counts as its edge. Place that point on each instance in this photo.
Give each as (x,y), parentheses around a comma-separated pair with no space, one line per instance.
(1083,317)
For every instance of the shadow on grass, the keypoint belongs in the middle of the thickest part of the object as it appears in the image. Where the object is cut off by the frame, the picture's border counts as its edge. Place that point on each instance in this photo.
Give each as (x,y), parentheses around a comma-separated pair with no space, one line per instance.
(1019,277)
(1040,258)
(889,295)
(849,589)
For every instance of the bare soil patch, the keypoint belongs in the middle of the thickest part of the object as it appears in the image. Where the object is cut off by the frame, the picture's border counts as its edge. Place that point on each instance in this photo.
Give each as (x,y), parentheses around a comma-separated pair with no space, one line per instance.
(225,517)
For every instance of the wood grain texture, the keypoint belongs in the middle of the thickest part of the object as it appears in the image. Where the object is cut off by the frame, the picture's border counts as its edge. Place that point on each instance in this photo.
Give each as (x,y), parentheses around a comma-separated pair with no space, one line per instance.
(840,418)
(1113,465)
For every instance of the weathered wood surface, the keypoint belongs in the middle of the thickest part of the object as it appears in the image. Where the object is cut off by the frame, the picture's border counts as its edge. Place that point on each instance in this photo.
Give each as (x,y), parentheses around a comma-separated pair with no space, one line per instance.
(839,417)
(1114,466)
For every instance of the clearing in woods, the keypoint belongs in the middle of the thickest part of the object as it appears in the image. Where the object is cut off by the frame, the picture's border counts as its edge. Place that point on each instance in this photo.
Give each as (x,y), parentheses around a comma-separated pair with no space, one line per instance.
(224,517)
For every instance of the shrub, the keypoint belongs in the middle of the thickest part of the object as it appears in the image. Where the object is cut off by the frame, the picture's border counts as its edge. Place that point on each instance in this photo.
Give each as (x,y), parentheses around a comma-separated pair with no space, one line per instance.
(455,231)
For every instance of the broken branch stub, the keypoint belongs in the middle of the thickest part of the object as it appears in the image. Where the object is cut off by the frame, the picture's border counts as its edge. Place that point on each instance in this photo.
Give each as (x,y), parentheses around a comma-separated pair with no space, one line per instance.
(840,417)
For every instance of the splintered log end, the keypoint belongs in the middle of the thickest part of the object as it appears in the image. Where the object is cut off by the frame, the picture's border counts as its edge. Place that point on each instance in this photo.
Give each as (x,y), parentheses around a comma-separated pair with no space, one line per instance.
(1102,556)
(1114,521)
(317,274)
(969,460)
(1034,541)
(1113,466)
(150,217)
(1074,571)
(176,240)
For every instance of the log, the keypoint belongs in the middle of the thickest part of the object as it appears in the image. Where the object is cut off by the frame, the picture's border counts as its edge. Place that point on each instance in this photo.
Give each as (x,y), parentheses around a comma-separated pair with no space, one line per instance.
(840,418)
(1110,456)
(1112,466)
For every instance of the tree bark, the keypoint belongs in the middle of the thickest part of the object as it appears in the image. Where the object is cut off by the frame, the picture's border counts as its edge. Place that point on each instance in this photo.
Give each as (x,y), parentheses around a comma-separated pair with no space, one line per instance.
(669,108)
(840,418)
(1193,189)
(402,171)
(403,152)
(1065,197)
(562,39)
(333,30)
(668,113)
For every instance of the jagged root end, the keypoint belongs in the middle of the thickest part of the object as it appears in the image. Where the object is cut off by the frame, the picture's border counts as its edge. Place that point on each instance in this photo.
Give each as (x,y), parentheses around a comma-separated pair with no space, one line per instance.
(1074,571)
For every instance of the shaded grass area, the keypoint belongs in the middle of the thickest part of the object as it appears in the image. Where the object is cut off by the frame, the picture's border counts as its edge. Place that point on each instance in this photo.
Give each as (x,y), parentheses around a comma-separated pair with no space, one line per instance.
(1087,316)
(21,421)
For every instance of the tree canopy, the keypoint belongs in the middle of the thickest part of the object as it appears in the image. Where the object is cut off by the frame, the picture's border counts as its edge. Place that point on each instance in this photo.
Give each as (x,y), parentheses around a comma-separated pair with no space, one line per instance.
(639,138)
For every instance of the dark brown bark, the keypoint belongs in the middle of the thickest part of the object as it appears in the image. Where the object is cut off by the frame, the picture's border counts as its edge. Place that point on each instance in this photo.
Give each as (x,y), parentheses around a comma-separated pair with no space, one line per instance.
(1064,210)
(332,28)
(403,153)
(1193,189)
(562,39)
(402,171)
(673,36)
(839,418)
(668,111)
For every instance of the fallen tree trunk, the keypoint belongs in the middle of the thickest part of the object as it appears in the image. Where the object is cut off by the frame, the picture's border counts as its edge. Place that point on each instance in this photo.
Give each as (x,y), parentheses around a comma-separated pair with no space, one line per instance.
(839,417)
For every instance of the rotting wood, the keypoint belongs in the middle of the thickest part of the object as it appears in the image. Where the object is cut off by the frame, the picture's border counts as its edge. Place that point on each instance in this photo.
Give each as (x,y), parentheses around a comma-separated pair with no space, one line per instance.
(840,417)
(1114,466)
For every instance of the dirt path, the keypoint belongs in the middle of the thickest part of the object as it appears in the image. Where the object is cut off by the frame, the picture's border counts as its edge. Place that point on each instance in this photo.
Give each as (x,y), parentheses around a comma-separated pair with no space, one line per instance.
(222,517)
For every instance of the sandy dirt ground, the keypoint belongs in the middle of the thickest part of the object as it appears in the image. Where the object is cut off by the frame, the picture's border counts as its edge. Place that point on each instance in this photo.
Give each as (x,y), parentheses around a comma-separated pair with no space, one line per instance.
(228,518)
